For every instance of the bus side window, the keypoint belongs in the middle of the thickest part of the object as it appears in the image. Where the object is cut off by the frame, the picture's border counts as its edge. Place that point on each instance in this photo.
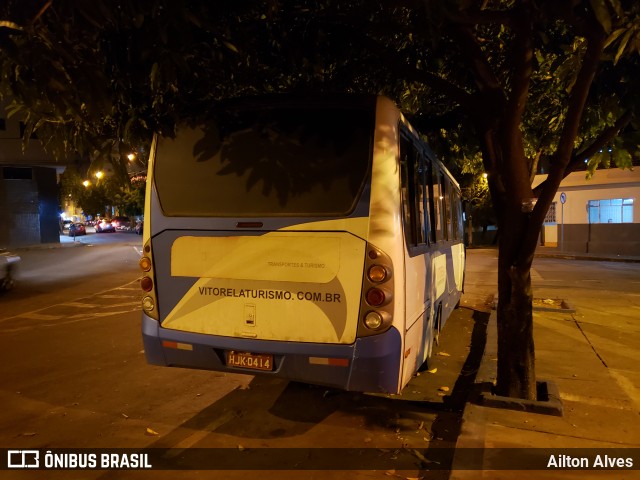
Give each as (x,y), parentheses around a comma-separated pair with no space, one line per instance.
(414,194)
(432,183)
(426,201)
(419,183)
(437,202)
(446,193)
(455,215)
(407,190)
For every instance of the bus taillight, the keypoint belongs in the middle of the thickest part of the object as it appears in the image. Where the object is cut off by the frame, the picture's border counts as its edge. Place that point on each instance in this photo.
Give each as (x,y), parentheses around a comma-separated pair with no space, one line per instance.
(146,283)
(377,305)
(145,264)
(375,297)
(377,273)
(373,320)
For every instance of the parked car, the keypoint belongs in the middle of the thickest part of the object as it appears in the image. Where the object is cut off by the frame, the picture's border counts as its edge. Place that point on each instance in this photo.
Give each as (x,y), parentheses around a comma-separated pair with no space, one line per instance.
(121,223)
(105,226)
(8,264)
(77,229)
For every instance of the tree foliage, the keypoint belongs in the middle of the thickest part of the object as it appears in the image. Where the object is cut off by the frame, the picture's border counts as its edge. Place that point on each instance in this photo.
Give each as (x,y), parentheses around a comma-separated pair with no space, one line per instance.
(507,85)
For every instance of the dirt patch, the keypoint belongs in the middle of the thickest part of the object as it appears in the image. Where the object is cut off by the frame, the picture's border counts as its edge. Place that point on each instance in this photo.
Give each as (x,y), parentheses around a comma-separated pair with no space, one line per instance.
(552,305)
(547,302)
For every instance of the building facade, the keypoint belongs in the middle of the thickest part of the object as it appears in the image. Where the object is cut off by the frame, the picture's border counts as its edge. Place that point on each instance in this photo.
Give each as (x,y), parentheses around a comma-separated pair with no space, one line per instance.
(28,189)
(599,215)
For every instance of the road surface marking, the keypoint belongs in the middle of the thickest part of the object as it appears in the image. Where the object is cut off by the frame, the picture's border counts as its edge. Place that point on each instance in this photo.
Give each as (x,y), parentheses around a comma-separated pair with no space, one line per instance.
(80,303)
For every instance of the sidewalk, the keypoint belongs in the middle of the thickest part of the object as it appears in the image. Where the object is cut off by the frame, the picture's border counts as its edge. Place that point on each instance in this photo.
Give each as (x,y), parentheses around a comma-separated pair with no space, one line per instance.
(595,365)
(553,252)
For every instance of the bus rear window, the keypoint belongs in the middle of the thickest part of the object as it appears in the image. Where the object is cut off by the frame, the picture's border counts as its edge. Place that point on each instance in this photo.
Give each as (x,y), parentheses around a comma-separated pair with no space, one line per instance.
(267,162)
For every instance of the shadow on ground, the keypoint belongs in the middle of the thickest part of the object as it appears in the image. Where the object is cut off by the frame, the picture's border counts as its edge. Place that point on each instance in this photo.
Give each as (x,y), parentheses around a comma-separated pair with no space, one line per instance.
(279,415)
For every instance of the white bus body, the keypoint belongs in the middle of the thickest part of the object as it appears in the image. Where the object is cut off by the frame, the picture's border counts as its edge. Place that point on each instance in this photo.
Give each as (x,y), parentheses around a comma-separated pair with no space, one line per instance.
(317,240)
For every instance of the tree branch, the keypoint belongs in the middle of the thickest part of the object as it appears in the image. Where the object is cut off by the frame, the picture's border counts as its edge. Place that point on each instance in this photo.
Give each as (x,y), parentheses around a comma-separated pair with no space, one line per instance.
(523,66)
(477,60)
(578,99)
(605,137)
(436,82)
(577,102)
(44,8)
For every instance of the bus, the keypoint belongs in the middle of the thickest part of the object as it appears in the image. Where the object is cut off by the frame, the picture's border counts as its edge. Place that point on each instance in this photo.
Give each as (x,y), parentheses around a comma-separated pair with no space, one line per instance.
(314,239)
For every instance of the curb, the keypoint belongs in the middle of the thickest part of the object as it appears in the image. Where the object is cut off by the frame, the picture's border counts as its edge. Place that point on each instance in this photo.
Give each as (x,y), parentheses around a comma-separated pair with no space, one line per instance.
(596,257)
(548,402)
(49,246)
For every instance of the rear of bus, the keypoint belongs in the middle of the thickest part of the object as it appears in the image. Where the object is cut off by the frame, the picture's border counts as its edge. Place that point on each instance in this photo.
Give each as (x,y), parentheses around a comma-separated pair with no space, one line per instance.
(256,257)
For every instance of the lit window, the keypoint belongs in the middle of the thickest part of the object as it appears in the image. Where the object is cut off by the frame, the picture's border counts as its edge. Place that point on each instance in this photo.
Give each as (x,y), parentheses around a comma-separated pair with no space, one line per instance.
(613,210)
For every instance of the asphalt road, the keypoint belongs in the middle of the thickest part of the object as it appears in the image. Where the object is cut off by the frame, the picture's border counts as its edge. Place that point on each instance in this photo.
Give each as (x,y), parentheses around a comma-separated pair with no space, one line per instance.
(74,376)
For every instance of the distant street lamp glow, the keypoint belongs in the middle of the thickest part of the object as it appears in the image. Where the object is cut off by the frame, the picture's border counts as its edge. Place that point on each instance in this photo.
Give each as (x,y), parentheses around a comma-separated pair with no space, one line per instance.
(484,175)
(131,157)
(86,183)
(99,174)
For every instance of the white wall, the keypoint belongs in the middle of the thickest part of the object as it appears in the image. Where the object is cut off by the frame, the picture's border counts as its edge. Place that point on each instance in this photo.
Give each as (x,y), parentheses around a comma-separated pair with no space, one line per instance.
(605,184)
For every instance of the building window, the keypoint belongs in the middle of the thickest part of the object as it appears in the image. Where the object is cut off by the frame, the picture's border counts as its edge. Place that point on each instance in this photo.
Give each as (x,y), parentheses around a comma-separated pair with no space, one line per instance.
(551,214)
(614,210)
(17,173)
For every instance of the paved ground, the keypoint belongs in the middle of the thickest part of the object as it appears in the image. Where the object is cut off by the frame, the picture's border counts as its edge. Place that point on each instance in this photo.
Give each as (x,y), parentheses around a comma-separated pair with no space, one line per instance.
(592,356)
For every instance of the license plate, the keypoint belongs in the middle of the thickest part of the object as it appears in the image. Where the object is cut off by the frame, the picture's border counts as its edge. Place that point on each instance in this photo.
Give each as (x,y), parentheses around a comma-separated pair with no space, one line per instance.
(250,360)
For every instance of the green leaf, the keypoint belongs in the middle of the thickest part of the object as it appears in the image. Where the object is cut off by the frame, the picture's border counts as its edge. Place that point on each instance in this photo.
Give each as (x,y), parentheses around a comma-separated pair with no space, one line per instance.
(601,10)
(623,45)
(231,46)
(153,76)
(11,25)
(614,36)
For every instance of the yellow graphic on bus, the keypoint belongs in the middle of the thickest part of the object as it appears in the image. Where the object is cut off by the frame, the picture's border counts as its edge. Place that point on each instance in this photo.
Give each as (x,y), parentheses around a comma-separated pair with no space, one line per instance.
(295,258)
(278,286)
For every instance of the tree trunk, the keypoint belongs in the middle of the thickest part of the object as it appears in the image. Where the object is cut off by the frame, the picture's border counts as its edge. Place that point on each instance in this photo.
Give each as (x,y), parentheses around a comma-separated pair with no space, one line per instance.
(516,356)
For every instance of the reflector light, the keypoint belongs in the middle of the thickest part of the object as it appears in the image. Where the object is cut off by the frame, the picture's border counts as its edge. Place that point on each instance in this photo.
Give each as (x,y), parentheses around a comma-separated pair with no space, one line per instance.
(177,345)
(375,297)
(373,320)
(148,304)
(146,284)
(145,264)
(373,254)
(377,273)
(335,362)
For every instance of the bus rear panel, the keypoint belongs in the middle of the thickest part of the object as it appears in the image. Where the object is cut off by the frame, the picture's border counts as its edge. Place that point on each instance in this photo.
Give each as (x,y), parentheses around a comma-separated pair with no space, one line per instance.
(261,252)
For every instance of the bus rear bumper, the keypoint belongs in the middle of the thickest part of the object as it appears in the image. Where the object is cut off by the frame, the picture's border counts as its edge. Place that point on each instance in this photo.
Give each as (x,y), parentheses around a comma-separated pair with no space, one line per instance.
(371,364)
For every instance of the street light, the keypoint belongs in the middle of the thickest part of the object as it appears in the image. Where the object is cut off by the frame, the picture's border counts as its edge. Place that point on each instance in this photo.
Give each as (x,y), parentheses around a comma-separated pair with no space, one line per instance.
(99,174)
(131,157)
(86,183)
